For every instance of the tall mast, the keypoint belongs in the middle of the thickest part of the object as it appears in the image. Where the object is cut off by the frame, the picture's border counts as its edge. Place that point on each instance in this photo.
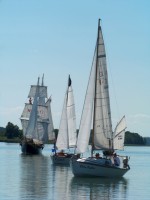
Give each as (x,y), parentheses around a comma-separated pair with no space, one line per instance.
(43,80)
(95,87)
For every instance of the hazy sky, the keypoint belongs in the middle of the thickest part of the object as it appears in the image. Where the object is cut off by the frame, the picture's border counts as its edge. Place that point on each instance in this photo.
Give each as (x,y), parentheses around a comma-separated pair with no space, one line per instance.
(58,38)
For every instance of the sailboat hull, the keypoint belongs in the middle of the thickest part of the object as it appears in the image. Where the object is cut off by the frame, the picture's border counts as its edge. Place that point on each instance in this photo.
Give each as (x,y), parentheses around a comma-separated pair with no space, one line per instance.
(30,148)
(61,159)
(85,167)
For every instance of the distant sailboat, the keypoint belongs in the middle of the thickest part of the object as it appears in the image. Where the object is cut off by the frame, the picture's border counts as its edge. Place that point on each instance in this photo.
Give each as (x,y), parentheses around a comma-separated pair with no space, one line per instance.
(36,120)
(67,131)
(96,112)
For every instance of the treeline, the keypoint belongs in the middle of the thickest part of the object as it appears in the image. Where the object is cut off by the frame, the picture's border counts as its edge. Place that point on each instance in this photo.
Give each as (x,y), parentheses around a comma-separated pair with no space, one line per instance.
(134,139)
(12,133)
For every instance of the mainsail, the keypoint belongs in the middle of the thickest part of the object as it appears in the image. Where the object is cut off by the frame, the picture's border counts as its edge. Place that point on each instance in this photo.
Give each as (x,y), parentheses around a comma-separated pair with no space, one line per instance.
(102,115)
(67,129)
(96,107)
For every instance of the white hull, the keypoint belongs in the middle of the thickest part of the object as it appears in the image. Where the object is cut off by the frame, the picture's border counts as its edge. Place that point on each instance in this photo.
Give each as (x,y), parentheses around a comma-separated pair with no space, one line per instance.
(61,160)
(97,168)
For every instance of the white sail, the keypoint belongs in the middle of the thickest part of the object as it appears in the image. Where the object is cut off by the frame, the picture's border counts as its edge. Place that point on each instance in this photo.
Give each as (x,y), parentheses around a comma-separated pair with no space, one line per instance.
(42,91)
(42,112)
(102,118)
(67,129)
(119,134)
(26,112)
(86,119)
(31,129)
(62,138)
(42,115)
(25,117)
(36,117)
(96,107)
(42,129)
(24,123)
(51,133)
(71,118)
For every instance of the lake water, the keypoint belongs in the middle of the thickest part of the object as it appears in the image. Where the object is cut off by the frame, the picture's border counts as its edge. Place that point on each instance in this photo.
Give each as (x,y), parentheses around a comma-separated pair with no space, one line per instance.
(35,178)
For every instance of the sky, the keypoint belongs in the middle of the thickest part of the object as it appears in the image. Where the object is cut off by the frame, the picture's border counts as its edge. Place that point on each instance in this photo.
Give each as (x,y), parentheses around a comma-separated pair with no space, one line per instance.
(58,38)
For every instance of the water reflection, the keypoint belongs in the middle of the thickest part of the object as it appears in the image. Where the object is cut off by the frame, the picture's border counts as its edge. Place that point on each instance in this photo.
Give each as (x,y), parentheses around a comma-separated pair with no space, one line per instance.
(60,178)
(33,177)
(40,179)
(99,188)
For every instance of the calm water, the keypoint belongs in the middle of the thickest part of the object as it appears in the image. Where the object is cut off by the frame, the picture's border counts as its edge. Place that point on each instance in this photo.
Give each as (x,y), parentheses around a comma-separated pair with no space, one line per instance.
(35,178)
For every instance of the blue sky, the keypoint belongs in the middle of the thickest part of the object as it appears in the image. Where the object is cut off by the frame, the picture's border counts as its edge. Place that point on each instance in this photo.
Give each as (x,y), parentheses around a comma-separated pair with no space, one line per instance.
(57,38)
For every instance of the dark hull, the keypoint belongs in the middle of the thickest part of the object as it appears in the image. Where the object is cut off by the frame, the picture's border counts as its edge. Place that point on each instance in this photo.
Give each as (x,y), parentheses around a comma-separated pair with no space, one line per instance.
(61,159)
(31,148)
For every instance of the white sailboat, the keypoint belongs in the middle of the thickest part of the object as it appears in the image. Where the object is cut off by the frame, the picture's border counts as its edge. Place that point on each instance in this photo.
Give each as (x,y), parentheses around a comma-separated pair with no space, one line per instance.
(67,130)
(36,120)
(97,113)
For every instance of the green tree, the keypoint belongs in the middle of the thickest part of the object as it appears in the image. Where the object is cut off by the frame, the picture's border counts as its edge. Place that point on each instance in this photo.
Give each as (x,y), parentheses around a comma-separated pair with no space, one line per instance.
(12,131)
(134,138)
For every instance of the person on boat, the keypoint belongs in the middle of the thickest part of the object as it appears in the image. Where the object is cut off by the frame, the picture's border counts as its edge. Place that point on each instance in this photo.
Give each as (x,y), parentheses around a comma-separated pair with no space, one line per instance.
(76,156)
(97,155)
(54,151)
(125,163)
(108,152)
(30,101)
(116,160)
(61,153)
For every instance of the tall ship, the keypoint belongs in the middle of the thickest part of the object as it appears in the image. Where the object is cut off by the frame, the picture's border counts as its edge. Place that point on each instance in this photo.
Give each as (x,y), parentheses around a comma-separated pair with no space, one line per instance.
(36,120)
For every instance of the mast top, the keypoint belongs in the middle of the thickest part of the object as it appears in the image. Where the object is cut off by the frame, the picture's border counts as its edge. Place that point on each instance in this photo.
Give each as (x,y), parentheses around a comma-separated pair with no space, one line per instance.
(43,80)
(38,81)
(69,81)
(99,22)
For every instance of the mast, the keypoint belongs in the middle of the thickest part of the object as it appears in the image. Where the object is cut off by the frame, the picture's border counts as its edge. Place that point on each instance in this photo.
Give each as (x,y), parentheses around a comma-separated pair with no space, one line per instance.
(42,80)
(95,87)
(69,84)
